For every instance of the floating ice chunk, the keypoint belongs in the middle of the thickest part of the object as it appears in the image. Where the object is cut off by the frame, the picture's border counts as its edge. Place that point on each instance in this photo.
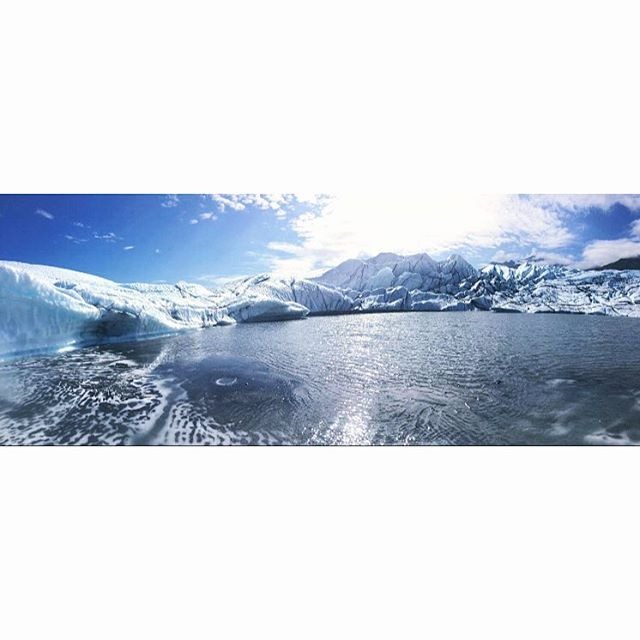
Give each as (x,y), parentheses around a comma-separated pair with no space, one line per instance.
(266,310)
(557,382)
(606,438)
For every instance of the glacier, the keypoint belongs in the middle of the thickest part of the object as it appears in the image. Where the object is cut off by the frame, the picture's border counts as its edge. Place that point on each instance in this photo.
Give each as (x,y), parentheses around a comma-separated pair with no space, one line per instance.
(50,308)
(45,308)
(419,283)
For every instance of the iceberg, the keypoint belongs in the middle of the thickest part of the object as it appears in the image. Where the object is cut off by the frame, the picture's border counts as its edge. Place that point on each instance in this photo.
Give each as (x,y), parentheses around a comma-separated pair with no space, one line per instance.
(316,298)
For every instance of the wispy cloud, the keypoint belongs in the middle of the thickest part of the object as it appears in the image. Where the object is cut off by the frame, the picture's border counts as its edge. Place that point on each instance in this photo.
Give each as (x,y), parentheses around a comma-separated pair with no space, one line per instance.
(193,221)
(44,214)
(75,240)
(170,200)
(81,225)
(582,202)
(128,247)
(209,215)
(286,247)
(547,257)
(107,237)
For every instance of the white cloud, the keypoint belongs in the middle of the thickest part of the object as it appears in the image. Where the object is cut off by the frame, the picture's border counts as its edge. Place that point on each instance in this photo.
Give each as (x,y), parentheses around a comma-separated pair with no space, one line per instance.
(352,226)
(309,198)
(44,214)
(232,201)
(157,251)
(128,247)
(193,221)
(80,225)
(579,202)
(75,240)
(601,252)
(547,257)
(107,237)
(280,203)
(286,247)
(505,256)
(209,215)
(170,200)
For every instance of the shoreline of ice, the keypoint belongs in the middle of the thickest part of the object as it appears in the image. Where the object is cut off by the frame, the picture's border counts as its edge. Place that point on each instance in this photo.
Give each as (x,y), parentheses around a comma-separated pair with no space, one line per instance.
(46,309)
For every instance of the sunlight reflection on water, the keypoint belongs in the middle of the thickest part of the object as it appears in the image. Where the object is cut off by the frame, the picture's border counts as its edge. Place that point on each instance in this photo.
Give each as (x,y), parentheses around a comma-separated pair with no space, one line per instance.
(412,378)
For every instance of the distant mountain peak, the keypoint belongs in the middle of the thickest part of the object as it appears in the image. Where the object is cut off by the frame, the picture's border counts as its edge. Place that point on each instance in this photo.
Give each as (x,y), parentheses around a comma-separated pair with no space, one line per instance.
(384,256)
(621,265)
(390,269)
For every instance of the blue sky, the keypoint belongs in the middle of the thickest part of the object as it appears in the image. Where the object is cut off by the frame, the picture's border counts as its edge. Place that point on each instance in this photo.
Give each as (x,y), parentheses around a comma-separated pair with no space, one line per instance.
(208,238)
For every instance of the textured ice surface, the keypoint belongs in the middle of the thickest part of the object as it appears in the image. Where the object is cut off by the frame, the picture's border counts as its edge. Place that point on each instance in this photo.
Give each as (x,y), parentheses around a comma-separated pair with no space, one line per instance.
(418,271)
(311,296)
(51,308)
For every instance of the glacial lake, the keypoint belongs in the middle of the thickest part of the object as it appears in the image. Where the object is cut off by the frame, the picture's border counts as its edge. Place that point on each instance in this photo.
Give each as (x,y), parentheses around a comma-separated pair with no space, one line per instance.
(385,379)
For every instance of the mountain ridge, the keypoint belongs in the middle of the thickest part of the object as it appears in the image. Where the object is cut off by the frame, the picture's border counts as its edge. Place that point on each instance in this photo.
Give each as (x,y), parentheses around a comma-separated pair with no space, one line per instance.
(622,264)
(415,271)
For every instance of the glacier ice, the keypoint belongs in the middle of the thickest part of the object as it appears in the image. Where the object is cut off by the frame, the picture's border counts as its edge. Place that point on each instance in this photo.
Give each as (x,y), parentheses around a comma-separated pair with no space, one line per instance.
(417,271)
(48,308)
(51,308)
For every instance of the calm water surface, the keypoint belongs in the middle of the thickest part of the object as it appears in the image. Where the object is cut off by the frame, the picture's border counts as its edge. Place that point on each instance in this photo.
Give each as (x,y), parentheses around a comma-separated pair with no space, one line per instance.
(406,378)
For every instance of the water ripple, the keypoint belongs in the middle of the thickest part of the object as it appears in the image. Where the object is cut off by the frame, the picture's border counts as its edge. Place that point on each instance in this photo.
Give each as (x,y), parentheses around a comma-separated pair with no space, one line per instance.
(414,378)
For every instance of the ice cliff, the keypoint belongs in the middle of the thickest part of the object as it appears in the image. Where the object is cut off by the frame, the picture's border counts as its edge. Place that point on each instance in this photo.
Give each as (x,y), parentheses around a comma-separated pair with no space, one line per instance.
(50,308)
(390,282)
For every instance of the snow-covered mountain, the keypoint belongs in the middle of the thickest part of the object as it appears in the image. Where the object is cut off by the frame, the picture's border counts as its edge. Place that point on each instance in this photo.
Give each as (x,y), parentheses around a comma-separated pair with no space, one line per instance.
(386,270)
(45,308)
